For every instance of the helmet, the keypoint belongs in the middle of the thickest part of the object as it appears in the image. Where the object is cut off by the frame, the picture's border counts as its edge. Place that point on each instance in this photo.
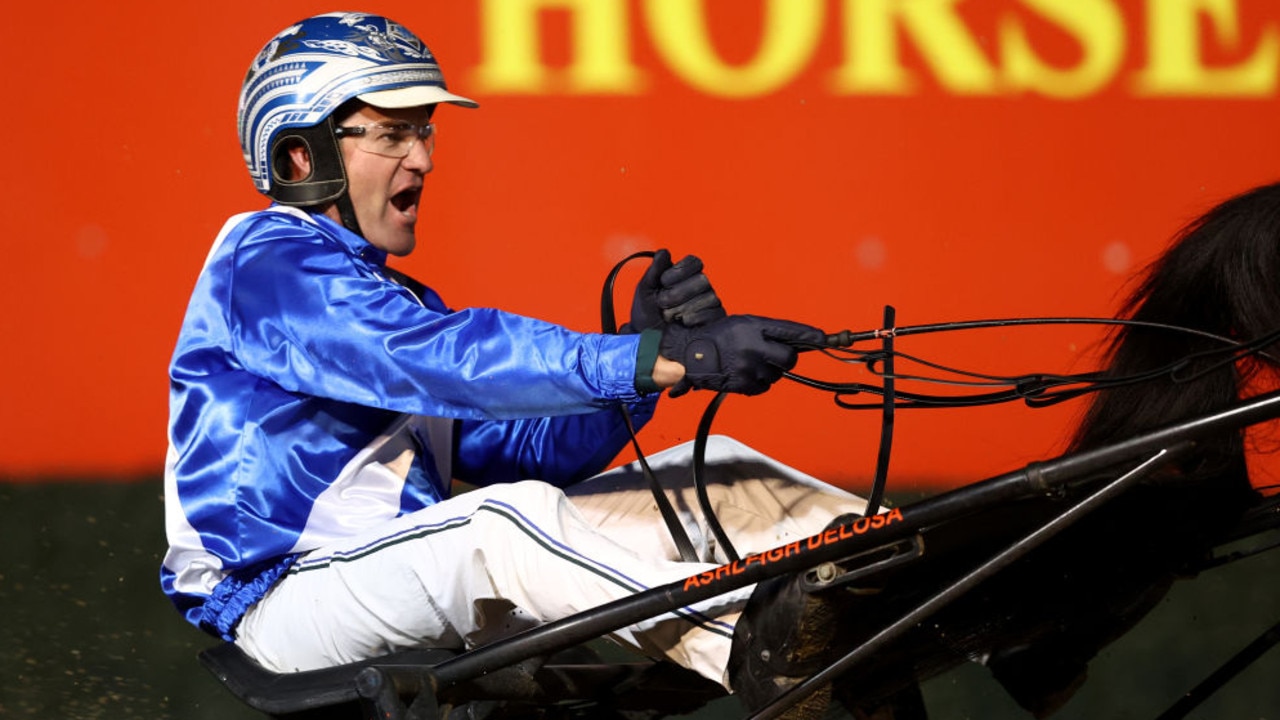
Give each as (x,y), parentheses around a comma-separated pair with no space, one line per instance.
(307,71)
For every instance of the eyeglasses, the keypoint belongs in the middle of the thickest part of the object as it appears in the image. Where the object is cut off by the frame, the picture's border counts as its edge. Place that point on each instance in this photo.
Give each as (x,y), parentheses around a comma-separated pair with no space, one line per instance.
(393,140)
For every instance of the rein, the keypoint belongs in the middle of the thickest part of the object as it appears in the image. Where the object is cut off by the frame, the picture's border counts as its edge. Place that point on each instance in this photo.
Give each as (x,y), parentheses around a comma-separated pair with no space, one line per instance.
(1035,389)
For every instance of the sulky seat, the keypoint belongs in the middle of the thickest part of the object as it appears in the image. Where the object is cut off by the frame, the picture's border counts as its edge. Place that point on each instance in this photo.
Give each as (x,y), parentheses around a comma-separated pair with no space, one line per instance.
(575,683)
(329,692)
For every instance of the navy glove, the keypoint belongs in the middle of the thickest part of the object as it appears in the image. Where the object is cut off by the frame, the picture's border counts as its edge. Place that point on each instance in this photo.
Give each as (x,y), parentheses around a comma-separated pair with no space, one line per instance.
(740,353)
(679,293)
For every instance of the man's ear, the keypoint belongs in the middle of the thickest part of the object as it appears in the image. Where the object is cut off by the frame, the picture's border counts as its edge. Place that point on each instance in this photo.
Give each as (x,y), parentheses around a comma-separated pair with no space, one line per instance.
(299,161)
(306,166)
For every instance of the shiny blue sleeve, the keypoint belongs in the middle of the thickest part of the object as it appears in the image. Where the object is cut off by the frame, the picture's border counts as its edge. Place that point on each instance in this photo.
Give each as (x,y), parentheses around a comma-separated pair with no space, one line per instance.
(315,321)
(559,450)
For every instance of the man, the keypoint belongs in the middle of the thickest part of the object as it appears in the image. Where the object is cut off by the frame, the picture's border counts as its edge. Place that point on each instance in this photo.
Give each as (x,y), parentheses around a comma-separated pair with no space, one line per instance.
(321,404)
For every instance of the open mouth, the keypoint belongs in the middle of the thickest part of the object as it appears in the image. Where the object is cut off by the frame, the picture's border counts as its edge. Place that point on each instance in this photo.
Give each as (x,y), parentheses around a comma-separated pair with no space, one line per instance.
(406,201)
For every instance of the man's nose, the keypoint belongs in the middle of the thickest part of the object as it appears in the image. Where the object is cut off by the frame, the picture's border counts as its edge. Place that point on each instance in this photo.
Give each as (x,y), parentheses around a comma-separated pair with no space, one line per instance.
(419,157)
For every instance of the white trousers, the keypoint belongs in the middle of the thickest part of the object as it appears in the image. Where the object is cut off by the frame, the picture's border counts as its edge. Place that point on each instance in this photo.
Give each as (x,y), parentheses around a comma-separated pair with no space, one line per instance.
(499,559)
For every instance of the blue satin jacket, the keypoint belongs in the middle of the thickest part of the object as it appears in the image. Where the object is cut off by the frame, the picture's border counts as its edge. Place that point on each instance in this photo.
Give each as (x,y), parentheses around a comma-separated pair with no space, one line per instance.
(312,398)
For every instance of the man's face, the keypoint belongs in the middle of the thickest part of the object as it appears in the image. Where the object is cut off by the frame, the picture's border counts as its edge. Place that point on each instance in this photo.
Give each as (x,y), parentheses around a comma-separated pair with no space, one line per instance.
(385,191)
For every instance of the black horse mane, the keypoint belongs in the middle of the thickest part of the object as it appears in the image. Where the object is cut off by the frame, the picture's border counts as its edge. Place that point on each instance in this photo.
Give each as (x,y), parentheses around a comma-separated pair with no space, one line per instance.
(1221,275)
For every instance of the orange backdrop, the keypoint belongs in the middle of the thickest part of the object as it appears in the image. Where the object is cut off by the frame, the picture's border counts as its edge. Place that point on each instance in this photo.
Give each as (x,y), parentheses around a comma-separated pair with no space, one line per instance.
(957,159)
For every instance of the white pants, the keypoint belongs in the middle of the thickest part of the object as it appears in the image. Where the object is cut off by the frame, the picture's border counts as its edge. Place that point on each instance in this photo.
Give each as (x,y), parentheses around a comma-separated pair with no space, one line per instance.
(500,559)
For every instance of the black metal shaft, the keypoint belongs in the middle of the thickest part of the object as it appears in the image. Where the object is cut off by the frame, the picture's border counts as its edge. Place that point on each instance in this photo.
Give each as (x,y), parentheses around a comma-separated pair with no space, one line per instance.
(988,569)
(838,543)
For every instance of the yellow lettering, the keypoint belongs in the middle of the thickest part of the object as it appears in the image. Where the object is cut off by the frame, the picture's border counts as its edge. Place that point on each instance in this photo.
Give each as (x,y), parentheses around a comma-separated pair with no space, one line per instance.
(1096,24)
(510,61)
(1175,64)
(679,32)
(873,62)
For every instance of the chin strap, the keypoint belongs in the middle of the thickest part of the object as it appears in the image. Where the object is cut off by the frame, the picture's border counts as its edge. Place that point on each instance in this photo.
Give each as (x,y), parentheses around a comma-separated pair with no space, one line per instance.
(347,212)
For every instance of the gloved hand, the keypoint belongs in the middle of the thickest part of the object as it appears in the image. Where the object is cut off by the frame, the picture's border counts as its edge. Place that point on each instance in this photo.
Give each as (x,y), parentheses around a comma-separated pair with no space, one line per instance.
(740,353)
(679,293)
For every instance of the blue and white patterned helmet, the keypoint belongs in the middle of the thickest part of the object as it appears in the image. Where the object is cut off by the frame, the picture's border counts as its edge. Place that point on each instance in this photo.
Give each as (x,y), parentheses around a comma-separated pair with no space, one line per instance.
(312,67)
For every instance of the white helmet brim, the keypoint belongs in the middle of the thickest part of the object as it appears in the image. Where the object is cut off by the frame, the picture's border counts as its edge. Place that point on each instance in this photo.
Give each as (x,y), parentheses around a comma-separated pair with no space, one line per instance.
(414,96)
